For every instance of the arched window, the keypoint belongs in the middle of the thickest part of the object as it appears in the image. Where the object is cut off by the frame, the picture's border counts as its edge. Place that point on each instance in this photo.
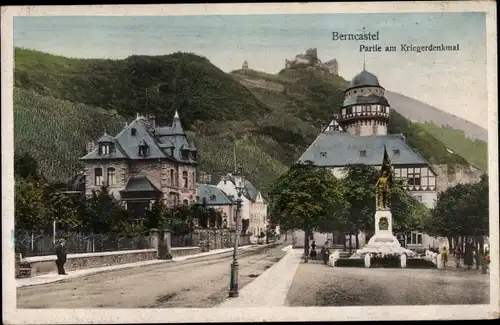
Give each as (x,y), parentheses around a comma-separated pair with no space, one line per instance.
(185,178)
(111,176)
(185,202)
(172,177)
(98,179)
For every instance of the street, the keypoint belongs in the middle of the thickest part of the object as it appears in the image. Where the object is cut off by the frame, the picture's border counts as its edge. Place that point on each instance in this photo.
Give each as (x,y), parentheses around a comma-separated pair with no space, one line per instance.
(200,282)
(317,285)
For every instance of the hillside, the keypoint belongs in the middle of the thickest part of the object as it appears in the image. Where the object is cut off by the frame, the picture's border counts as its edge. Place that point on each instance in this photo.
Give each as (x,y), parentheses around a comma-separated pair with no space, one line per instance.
(473,150)
(416,111)
(272,118)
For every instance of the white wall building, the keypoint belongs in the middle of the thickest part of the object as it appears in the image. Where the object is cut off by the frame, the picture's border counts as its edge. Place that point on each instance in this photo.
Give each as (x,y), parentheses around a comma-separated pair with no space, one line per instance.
(253,208)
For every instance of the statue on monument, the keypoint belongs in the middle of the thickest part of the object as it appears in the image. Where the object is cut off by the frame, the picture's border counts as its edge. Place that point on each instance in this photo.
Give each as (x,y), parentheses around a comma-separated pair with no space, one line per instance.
(382,185)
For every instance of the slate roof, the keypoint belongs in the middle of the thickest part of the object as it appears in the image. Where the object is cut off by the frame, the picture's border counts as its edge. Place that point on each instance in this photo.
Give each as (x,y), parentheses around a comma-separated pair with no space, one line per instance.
(250,191)
(370,99)
(364,79)
(140,183)
(106,138)
(343,149)
(160,142)
(212,194)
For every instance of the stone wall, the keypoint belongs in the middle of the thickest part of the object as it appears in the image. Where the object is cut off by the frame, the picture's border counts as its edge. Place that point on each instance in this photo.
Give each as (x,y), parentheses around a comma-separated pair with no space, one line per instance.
(46,264)
(447,177)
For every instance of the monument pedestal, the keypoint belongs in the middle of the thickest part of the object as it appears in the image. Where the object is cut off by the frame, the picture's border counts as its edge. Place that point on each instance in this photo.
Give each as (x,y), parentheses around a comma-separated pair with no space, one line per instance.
(383,241)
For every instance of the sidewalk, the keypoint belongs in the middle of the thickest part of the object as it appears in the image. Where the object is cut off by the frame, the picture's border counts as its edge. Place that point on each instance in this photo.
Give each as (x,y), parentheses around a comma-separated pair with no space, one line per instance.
(271,287)
(54,277)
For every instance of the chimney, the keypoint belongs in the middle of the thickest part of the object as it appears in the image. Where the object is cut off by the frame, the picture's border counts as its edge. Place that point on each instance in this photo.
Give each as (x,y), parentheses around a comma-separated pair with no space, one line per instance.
(91,146)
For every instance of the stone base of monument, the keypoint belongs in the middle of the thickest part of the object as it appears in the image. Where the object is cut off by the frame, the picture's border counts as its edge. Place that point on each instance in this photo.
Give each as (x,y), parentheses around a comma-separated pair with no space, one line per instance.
(383,246)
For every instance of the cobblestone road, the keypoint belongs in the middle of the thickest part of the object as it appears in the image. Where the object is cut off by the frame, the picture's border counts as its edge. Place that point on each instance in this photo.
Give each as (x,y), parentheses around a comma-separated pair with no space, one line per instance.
(318,285)
(201,282)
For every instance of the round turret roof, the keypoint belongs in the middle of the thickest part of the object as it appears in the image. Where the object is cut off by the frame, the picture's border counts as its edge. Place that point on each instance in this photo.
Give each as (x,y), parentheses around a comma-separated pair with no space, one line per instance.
(364,79)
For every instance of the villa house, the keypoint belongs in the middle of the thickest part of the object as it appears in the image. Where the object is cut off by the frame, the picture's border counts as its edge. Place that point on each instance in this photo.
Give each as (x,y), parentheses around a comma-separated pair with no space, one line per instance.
(144,163)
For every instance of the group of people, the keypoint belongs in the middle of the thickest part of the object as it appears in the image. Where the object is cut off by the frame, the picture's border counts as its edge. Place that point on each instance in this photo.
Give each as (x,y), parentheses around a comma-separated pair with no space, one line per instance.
(325,252)
(467,255)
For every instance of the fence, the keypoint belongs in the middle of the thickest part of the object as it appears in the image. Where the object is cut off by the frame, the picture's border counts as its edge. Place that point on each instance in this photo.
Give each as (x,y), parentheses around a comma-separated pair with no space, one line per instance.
(38,243)
(213,238)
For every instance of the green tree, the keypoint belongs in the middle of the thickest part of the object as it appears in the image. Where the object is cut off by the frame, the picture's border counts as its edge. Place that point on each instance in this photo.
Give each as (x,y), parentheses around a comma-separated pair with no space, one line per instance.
(453,213)
(25,166)
(358,187)
(64,209)
(103,212)
(31,211)
(307,198)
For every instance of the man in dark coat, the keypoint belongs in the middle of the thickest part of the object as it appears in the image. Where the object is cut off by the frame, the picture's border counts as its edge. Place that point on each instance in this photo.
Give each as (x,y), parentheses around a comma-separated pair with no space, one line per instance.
(469,254)
(61,256)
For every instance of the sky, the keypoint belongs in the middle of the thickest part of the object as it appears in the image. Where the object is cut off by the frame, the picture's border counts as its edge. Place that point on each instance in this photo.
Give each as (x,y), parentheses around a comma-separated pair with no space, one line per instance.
(454,82)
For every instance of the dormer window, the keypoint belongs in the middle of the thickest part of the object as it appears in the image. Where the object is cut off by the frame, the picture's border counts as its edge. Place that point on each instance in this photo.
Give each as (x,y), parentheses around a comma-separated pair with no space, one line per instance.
(322,154)
(133,131)
(185,154)
(143,148)
(104,149)
(395,151)
(362,153)
(194,154)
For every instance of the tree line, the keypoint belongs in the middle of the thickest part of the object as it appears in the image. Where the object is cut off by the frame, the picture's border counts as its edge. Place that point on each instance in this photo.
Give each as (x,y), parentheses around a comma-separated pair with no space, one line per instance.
(312,199)
(39,202)
(462,213)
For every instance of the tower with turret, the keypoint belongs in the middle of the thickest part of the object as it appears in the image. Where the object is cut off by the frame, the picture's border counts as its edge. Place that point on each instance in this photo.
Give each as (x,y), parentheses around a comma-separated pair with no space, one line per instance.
(365,110)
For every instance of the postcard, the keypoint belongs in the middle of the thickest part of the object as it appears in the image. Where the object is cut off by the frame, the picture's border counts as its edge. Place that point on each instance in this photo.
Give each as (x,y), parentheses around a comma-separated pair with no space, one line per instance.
(249,162)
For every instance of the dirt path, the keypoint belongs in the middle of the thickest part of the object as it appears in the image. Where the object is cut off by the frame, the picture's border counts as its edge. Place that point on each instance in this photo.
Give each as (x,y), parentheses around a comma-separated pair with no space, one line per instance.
(318,285)
(201,282)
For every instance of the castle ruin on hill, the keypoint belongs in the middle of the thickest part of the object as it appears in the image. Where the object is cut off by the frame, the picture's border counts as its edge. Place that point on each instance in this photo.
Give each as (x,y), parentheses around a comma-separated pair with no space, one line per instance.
(310,60)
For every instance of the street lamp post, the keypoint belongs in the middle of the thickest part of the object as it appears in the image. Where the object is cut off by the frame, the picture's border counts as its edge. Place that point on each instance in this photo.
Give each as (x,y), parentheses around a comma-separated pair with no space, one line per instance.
(233,286)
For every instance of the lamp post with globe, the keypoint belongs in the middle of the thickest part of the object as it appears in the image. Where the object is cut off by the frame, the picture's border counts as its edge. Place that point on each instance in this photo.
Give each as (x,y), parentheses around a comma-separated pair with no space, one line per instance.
(240,187)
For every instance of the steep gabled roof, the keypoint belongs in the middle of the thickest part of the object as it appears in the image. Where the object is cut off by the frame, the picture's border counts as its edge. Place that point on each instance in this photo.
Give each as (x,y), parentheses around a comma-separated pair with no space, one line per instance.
(340,149)
(250,191)
(212,195)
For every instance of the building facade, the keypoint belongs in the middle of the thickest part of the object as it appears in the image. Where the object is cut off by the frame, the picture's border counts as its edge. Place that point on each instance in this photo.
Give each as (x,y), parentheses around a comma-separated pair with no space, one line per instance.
(144,163)
(253,207)
(213,197)
(358,136)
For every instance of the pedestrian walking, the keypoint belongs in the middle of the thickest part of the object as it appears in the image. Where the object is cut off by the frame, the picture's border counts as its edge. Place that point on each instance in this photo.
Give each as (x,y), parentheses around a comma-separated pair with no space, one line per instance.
(325,253)
(469,254)
(61,256)
(444,256)
(458,255)
(313,250)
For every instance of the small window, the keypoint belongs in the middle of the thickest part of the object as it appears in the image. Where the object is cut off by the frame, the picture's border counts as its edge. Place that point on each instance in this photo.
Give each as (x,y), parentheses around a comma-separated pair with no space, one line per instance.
(362,153)
(419,239)
(185,178)
(395,151)
(143,150)
(172,177)
(98,181)
(322,154)
(133,131)
(104,149)
(185,154)
(185,202)
(111,176)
